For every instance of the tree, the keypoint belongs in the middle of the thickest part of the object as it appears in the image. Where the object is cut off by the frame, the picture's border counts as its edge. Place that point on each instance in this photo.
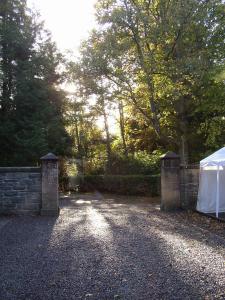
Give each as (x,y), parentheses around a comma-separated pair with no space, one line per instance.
(92,83)
(31,103)
(172,47)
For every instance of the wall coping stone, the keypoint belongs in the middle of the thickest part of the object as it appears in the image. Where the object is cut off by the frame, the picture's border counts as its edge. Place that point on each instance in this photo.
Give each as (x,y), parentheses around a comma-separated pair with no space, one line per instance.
(49,156)
(170,155)
(20,169)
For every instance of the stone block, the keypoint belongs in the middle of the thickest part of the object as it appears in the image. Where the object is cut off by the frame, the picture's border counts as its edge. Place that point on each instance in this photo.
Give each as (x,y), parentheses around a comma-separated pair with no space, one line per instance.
(29,206)
(34,188)
(50,202)
(170,182)
(11,181)
(35,176)
(19,187)
(20,197)
(10,206)
(10,194)
(34,197)
(10,200)
(26,181)
(50,212)
(5,187)
(16,175)
(189,187)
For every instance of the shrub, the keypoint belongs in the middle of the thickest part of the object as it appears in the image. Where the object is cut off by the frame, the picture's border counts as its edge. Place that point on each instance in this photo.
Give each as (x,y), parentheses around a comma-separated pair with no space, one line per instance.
(140,162)
(122,184)
(63,176)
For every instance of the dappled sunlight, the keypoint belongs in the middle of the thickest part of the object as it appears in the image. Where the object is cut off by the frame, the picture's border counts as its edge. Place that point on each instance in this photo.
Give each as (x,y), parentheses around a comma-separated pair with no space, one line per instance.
(165,226)
(190,243)
(98,225)
(117,205)
(134,246)
(170,235)
(108,200)
(192,255)
(81,201)
(143,209)
(157,207)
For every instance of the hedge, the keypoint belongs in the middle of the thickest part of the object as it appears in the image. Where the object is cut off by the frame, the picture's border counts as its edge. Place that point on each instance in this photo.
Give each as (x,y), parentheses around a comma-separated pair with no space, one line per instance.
(121,184)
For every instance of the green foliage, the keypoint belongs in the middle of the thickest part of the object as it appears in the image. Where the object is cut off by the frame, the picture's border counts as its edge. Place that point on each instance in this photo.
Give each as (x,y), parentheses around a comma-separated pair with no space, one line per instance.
(31,104)
(158,64)
(87,137)
(63,175)
(140,162)
(96,166)
(164,61)
(122,184)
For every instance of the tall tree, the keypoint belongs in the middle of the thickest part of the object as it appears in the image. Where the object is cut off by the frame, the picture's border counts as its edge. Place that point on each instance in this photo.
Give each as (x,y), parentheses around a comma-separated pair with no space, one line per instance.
(172,47)
(31,104)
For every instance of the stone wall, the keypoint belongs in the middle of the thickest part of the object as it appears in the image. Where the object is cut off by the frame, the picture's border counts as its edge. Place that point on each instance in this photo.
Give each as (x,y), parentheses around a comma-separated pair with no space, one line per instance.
(170,182)
(20,190)
(179,185)
(30,190)
(189,181)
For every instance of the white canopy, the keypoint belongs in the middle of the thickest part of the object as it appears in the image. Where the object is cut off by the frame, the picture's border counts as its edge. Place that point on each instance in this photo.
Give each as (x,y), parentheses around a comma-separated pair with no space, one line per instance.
(211,193)
(215,159)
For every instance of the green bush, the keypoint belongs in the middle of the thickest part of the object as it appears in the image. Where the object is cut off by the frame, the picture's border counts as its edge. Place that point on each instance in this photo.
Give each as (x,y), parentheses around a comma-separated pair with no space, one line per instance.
(140,162)
(63,175)
(122,184)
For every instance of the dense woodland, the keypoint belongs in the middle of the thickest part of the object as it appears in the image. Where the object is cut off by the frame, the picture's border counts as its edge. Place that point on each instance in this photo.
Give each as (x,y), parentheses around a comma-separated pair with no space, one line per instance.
(31,102)
(157,65)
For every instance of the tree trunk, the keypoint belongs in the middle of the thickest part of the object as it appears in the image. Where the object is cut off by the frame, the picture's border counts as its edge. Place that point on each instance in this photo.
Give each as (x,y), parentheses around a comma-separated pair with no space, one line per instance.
(122,128)
(77,138)
(108,143)
(183,128)
(7,74)
(183,150)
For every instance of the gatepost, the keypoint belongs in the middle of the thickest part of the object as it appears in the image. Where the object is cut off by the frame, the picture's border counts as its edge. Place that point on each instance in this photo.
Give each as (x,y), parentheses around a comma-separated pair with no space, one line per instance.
(170,182)
(50,197)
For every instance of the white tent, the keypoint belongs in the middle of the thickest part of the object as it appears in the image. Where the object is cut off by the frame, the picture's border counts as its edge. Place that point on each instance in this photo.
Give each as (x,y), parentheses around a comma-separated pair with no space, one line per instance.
(211,193)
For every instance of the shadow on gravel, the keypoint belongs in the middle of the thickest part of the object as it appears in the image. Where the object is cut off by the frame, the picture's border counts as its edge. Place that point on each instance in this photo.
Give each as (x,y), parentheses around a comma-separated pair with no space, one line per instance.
(23,244)
(103,248)
(145,260)
(189,231)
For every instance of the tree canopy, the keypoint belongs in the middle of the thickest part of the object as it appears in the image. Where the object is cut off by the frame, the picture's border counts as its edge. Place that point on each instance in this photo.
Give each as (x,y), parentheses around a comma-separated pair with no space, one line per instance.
(31,102)
(157,65)
(163,62)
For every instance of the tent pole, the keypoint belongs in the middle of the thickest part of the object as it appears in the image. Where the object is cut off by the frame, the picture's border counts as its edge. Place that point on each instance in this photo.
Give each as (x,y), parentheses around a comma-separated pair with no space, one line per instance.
(217,191)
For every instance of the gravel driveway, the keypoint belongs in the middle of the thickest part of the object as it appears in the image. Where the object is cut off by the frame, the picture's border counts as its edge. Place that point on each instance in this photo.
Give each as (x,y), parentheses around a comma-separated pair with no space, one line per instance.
(104,248)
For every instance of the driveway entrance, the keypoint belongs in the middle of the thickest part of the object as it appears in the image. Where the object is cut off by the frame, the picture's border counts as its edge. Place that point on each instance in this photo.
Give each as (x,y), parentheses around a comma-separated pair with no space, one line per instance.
(107,247)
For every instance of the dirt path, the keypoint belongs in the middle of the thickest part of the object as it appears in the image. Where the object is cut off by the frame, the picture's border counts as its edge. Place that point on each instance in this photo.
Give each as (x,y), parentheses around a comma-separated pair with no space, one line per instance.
(105,248)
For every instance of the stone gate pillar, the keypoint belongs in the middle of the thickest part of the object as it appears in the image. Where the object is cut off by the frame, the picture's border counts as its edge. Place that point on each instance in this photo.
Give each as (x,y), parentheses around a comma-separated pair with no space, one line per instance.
(170,182)
(50,197)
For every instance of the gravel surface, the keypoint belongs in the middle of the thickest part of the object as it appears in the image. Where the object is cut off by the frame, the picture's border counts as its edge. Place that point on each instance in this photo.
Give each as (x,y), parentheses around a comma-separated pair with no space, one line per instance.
(105,248)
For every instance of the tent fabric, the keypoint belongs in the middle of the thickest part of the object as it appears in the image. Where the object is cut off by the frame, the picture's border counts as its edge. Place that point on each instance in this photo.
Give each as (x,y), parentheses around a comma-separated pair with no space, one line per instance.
(215,159)
(211,193)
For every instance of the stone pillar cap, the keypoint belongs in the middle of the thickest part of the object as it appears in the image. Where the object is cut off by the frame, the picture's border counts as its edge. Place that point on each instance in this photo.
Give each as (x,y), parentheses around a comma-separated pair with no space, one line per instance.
(170,155)
(49,156)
